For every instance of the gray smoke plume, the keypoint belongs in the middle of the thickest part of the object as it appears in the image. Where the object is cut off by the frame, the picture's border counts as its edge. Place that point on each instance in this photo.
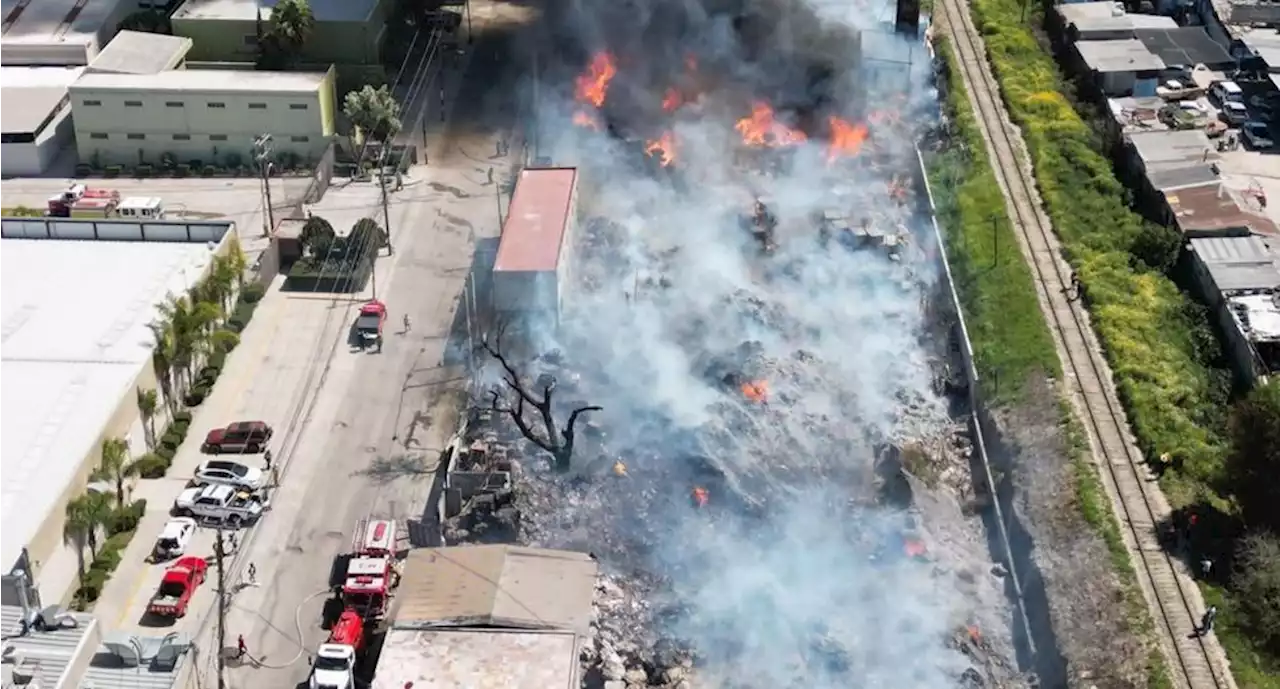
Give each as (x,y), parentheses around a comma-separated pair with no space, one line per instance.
(794,573)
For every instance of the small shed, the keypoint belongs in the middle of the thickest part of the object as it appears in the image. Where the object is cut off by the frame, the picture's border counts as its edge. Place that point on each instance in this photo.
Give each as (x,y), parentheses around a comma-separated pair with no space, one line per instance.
(1121,67)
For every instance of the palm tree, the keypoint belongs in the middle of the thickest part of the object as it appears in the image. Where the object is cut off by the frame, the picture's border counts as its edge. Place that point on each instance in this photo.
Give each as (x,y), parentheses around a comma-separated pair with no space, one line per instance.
(148,405)
(291,24)
(189,325)
(117,466)
(85,515)
(162,360)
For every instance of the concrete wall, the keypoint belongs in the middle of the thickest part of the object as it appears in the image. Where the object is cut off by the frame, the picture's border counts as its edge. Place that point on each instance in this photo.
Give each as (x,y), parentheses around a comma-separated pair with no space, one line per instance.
(182,124)
(32,159)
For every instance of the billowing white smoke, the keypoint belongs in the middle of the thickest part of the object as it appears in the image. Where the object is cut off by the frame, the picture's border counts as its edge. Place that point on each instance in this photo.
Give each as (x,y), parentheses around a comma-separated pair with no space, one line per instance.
(797,588)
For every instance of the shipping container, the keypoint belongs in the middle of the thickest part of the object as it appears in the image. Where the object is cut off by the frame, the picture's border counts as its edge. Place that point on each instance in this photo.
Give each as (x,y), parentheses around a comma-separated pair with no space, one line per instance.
(534,265)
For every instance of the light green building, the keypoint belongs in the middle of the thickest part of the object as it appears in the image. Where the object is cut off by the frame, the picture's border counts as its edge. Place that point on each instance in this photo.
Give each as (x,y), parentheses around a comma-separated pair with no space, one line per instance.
(212,116)
(347,32)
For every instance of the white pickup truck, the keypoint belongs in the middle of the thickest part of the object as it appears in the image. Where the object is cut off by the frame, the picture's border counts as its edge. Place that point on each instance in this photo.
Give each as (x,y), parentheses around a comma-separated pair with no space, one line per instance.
(220,503)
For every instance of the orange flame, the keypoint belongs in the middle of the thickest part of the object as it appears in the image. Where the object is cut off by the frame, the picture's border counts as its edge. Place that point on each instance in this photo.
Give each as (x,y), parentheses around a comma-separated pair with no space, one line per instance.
(756,390)
(664,147)
(671,100)
(700,496)
(761,129)
(585,120)
(592,86)
(846,139)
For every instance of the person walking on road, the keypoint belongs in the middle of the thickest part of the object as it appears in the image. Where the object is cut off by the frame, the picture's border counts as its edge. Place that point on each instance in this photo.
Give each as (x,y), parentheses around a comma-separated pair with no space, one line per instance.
(1206,622)
(406,322)
(242,649)
(253,574)
(267,457)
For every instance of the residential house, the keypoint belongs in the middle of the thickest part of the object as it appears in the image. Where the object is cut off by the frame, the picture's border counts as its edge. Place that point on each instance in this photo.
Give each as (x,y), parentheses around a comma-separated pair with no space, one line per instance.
(1239,278)
(1120,67)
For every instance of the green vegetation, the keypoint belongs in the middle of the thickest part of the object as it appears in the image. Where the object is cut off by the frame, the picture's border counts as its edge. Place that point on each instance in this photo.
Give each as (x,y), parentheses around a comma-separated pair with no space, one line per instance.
(333,263)
(147,21)
(1011,340)
(373,111)
(87,516)
(288,31)
(1157,340)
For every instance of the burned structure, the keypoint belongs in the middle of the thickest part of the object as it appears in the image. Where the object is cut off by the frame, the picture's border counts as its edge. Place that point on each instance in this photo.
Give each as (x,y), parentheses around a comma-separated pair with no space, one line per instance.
(771,478)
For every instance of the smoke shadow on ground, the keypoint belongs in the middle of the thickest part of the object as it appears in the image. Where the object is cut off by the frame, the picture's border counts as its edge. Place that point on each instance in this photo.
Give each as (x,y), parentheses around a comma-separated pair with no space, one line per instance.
(476,291)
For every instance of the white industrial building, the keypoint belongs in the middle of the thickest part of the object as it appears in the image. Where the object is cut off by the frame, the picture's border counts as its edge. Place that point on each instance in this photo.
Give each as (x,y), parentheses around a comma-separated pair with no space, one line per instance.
(36,114)
(59,32)
(77,298)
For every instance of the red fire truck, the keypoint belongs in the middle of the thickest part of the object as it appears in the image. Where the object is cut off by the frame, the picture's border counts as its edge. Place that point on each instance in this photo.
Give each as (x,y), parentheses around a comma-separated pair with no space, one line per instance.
(180,582)
(362,580)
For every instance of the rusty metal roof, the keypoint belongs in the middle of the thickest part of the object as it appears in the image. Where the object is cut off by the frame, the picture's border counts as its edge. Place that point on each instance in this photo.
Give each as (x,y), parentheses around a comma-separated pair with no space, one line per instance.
(534,231)
(1214,210)
(496,586)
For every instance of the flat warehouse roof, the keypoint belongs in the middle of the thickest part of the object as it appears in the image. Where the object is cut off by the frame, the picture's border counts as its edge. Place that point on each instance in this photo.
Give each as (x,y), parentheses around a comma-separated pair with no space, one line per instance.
(204,81)
(75,337)
(138,52)
(31,94)
(477,659)
(324,10)
(533,233)
(46,26)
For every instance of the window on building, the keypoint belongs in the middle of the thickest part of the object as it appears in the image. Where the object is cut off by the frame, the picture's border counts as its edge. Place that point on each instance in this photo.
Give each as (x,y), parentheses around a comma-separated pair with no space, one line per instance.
(257,106)
(217,105)
(133,104)
(299,139)
(174,104)
(93,103)
(181,137)
(297,106)
(137,137)
(18,137)
(97,135)
(217,137)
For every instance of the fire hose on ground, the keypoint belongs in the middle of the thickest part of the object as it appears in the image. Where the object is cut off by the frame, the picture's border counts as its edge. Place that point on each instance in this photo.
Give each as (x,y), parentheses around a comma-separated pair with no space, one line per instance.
(297,620)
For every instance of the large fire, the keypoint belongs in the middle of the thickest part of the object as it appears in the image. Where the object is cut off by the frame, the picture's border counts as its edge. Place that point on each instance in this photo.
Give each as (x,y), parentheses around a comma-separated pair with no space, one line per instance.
(762,129)
(846,138)
(756,390)
(593,86)
(664,147)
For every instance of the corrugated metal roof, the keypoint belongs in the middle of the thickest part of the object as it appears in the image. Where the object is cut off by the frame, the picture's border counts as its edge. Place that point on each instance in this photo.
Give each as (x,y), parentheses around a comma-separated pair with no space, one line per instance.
(107,672)
(497,586)
(1239,263)
(1172,146)
(490,659)
(1213,209)
(48,654)
(537,219)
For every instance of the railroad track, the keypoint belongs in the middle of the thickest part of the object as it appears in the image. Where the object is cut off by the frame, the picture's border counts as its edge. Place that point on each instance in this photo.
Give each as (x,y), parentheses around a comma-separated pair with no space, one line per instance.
(1140,507)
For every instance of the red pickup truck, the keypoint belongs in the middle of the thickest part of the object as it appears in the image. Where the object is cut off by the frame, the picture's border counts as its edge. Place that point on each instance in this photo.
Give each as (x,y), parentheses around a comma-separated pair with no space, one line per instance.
(180,582)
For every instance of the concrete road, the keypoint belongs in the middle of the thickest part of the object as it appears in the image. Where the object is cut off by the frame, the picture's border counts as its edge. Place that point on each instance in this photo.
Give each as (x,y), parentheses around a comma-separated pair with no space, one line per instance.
(369,446)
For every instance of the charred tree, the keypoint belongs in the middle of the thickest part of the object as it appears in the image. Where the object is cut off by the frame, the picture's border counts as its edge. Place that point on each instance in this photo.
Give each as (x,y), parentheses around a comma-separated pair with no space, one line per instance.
(555,440)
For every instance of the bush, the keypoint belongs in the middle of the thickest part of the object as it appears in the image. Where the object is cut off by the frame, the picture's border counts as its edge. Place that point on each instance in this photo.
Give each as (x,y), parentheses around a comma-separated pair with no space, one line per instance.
(209,376)
(83,170)
(184,416)
(171,439)
(241,316)
(252,293)
(181,170)
(179,428)
(144,170)
(111,171)
(105,562)
(223,341)
(166,453)
(126,518)
(1157,340)
(152,465)
(210,170)
(197,395)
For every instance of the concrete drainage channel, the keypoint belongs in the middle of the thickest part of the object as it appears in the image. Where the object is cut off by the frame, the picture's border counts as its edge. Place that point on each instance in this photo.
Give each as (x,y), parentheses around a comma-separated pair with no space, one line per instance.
(1009,540)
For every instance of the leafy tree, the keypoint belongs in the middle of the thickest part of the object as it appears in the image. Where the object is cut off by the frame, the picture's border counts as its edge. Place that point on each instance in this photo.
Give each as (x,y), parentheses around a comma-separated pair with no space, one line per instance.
(162,358)
(117,466)
(147,21)
(288,31)
(1256,579)
(148,404)
(366,238)
(373,111)
(1254,462)
(317,236)
(188,325)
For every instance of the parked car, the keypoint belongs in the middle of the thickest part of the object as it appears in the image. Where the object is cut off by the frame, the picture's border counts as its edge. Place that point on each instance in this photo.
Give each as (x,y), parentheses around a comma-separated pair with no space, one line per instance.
(1235,113)
(241,436)
(1226,91)
(1257,135)
(219,503)
(173,539)
(226,472)
(1262,103)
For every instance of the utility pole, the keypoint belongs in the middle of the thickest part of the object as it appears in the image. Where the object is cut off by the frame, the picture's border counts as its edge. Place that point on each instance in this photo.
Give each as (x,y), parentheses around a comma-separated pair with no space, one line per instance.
(386,209)
(466,6)
(262,153)
(219,553)
(497,196)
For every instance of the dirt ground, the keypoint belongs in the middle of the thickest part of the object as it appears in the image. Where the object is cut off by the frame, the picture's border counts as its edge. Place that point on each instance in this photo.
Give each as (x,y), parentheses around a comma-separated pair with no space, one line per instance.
(1088,606)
